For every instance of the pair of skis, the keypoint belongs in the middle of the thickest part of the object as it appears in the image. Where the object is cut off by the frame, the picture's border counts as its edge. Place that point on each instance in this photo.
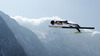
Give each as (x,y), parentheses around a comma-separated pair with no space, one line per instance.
(73,28)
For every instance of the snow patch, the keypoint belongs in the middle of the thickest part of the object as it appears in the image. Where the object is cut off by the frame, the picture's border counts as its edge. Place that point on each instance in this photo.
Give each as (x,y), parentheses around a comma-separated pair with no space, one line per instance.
(33,20)
(91,31)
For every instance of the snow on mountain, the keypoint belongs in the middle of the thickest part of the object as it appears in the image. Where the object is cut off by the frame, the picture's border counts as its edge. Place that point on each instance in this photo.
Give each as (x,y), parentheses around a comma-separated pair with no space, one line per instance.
(26,38)
(58,42)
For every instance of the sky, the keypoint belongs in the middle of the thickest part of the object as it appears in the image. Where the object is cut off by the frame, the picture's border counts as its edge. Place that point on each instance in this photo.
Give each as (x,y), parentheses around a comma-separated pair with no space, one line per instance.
(83,12)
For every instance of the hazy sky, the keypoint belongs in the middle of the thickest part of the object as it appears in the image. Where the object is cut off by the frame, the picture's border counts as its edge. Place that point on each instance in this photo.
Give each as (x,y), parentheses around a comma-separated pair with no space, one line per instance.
(83,12)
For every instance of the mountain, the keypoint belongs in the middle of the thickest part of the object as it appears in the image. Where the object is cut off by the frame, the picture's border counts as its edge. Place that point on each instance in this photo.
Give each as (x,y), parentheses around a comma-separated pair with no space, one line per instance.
(58,43)
(20,40)
(9,45)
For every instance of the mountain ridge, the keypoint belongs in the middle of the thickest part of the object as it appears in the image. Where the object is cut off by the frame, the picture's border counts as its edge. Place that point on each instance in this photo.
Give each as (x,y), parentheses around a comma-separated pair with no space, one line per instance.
(26,38)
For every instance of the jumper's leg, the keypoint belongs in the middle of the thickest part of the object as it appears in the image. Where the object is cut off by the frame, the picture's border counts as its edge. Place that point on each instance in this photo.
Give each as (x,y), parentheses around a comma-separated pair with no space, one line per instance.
(78,28)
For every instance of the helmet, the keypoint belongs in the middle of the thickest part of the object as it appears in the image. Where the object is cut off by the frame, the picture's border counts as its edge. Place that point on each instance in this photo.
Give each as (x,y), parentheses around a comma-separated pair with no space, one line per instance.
(52,22)
(66,21)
